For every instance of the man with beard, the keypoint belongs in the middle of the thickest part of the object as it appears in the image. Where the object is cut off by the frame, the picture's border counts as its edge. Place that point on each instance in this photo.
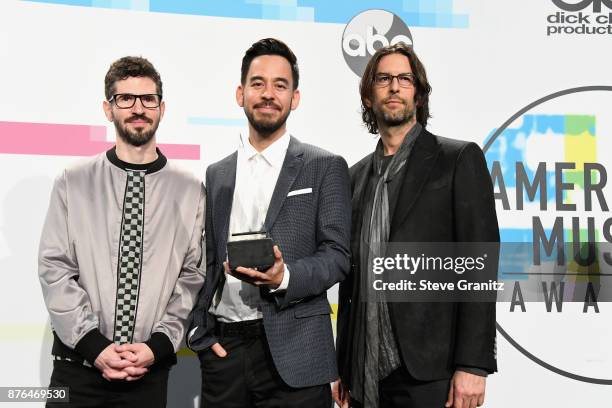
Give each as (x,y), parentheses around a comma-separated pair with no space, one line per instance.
(121,255)
(415,187)
(264,338)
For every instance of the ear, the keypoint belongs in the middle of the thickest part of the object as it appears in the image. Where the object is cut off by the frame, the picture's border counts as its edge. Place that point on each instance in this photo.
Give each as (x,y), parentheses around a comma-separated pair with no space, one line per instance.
(108,110)
(162,109)
(240,96)
(295,101)
(367,102)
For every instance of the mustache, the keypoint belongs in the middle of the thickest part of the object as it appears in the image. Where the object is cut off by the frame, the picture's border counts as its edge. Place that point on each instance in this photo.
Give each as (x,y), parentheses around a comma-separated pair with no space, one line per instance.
(394,98)
(267,104)
(138,117)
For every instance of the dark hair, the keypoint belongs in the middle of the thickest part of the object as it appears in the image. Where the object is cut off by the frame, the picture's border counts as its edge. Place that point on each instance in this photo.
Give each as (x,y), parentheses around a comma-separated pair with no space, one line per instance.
(270,46)
(130,67)
(422,87)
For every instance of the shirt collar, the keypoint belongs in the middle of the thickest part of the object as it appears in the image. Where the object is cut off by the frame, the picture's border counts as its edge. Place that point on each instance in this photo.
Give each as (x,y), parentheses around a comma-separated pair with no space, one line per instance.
(150,168)
(273,154)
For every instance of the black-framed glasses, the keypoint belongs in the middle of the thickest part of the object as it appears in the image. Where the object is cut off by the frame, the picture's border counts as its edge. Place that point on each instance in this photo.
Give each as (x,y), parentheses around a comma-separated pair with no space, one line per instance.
(384,80)
(126,101)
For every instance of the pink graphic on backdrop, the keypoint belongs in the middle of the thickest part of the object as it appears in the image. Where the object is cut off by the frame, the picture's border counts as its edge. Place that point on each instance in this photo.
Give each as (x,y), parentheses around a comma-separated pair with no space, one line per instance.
(50,139)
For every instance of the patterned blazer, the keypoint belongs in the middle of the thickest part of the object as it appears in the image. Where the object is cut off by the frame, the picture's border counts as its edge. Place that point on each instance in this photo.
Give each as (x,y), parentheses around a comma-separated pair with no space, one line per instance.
(312,231)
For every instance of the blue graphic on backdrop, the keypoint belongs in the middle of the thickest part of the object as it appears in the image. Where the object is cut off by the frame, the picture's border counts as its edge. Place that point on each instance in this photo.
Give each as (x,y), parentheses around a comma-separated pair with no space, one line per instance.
(416,13)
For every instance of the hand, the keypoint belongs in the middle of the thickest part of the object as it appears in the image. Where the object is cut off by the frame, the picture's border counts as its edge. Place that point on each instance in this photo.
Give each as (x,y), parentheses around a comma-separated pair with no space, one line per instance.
(272,277)
(466,390)
(218,350)
(111,363)
(340,394)
(140,356)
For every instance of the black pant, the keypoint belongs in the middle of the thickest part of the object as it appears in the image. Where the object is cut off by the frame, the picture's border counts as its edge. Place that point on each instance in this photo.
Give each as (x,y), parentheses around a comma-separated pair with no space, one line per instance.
(401,390)
(247,378)
(87,388)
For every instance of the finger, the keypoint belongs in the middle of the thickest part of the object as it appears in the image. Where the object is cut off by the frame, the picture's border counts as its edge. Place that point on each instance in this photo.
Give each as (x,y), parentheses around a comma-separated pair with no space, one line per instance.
(458,401)
(136,371)
(218,350)
(252,273)
(105,377)
(481,399)
(336,393)
(126,347)
(277,253)
(118,364)
(226,267)
(114,374)
(134,378)
(129,356)
(451,394)
(120,348)
(471,402)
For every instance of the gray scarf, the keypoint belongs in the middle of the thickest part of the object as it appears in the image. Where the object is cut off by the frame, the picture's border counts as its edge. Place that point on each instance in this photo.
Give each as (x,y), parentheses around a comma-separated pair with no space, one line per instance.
(378,355)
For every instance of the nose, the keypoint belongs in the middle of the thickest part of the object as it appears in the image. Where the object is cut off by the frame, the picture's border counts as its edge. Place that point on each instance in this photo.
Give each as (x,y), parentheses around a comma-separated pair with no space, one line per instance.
(268,92)
(138,107)
(394,85)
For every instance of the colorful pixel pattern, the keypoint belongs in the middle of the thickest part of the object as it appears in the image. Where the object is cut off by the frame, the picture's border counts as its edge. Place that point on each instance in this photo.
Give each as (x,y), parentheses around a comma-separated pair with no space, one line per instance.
(415,13)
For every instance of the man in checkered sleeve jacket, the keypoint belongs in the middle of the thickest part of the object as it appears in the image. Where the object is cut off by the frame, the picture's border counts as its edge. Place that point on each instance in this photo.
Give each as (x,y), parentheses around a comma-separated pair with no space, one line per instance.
(120,259)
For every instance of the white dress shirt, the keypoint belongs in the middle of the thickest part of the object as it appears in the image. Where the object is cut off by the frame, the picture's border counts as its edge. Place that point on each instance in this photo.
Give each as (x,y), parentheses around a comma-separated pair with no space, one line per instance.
(256,176)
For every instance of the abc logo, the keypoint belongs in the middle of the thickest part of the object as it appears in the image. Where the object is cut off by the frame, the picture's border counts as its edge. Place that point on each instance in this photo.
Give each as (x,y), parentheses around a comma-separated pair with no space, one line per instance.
(581,5)
(367,32)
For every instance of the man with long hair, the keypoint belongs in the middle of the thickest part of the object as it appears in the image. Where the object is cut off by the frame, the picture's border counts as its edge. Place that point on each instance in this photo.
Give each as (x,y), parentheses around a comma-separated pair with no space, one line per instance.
(415,187)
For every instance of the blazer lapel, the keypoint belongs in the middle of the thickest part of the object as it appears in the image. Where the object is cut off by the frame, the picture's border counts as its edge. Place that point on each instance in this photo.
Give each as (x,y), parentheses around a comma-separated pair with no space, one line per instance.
(420,162)
(291,168)
(224,198)
(359,186)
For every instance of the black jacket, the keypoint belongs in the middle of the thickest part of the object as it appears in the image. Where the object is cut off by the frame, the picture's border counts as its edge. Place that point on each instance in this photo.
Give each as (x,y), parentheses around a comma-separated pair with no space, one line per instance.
(446,196)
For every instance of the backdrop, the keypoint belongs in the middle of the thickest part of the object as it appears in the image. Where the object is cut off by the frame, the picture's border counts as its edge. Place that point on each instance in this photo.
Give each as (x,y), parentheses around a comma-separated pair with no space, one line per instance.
(527,80)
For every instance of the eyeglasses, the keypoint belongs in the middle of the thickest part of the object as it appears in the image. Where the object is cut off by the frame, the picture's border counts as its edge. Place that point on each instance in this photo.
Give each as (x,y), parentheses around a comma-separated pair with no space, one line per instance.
(126,101)
(384,80)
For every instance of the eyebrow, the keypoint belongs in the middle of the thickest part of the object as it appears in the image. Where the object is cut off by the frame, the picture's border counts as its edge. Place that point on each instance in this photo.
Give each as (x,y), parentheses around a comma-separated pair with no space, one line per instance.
(260,78)
(388,73)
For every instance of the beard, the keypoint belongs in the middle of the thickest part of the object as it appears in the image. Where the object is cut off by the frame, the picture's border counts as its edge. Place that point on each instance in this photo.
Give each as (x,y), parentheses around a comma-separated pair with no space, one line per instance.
(136,137)
(265,126)
(393,118)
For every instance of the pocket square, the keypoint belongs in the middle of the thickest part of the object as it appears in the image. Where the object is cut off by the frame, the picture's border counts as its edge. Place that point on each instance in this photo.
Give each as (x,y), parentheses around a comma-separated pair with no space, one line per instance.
(301,191)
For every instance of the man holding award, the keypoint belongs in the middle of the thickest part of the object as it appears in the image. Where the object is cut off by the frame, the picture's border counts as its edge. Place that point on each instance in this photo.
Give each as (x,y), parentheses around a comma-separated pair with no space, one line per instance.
(278,230)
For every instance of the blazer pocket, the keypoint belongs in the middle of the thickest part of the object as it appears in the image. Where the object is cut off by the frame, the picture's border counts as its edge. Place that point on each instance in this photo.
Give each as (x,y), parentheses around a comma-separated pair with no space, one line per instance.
(306,310)
(300,192)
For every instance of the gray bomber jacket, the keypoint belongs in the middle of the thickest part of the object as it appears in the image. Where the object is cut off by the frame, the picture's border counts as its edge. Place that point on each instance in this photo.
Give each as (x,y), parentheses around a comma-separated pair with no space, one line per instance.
(79,251)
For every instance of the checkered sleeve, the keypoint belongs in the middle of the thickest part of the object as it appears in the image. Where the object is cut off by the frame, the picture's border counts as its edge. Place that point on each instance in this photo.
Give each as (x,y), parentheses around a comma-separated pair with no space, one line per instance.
(188,284)
(68,304)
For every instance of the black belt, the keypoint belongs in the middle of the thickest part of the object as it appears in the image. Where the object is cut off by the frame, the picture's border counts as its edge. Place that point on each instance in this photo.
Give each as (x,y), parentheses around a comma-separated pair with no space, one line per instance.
(248,329)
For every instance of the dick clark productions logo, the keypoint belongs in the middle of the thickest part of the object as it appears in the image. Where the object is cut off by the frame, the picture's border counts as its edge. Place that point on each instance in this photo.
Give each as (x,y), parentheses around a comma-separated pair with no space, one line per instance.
(585,17)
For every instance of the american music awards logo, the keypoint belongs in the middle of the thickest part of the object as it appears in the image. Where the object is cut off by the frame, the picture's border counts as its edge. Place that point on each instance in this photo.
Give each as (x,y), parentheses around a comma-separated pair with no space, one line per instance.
(550,165)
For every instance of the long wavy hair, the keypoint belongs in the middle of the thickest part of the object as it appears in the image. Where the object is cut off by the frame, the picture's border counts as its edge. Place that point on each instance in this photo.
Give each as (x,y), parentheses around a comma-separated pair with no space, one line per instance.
(422,87)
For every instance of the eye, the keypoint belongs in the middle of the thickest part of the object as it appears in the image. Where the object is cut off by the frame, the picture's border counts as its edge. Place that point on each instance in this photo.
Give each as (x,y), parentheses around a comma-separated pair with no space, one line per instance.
(382,79)
(281,86)
(257,84)
(125,98)
(406,79)
(148,98)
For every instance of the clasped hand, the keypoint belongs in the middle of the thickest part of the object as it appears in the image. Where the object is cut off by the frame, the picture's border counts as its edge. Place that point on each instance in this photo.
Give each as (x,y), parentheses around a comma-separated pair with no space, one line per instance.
(127,362)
